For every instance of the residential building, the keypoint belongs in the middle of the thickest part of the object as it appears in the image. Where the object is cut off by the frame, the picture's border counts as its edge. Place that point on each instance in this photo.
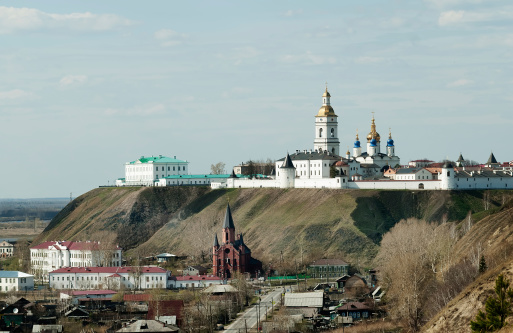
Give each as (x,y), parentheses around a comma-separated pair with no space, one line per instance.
(328,268)
(195,270)
(129,277)
(52,255)
(232,255)
(166,257)
(6,249)
(16,281)
(356,310)
(145,171)
(309,304)
(194,281)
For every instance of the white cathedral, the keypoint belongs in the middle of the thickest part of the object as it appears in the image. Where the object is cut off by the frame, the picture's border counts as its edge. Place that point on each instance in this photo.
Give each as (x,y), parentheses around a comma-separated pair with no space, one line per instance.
(324,167)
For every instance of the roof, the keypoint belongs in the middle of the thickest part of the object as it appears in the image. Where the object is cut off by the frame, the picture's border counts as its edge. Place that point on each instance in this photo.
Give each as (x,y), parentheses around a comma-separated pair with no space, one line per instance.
(92,292)
(109,270)
(219,289)
(483,173)
(200,176)
(165,255)
(309,300)
(14,274)
(157,159)
(408,170)
(353,306)
(70,245)
(491,159)
(198,267)
(146,326)
(197,278)
(228,220)
(288,163)
(331,262)
(312,155)
(165,308)
(425,161)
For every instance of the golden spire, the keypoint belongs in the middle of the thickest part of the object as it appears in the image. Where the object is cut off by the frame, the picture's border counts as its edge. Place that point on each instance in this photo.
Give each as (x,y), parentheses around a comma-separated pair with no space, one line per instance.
(373,133)
(357,139)
(348,153)
(389,133)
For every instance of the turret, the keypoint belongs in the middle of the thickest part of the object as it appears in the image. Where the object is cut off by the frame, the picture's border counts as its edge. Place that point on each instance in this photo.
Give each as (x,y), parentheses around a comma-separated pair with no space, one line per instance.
(372,147)
(287,173)
(447,177)
(357,149)
(373,134)
(228,227)
(326,127)
(390,145)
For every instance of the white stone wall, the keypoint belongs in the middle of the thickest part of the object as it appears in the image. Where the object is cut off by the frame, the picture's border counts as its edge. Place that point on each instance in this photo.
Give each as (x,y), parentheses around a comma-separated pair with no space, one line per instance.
(483,183)
(396,184)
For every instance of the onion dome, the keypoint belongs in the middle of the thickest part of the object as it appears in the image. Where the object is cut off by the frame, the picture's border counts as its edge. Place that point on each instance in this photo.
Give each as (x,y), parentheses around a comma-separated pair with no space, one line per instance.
(390,142)
(448,165)
(326,93)
(373,134)
(326,110)
(357,142)
(340,163)
(373,143)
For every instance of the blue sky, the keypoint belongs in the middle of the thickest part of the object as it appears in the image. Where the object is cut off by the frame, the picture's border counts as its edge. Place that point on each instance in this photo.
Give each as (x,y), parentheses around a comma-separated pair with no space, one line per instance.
(89,85)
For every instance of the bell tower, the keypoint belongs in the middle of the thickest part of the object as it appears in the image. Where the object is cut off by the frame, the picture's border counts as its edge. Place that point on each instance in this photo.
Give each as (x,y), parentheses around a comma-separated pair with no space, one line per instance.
(326,127)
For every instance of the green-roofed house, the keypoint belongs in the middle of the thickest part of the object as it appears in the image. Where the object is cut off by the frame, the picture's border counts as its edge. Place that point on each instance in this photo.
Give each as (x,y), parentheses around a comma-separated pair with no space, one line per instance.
(147,171)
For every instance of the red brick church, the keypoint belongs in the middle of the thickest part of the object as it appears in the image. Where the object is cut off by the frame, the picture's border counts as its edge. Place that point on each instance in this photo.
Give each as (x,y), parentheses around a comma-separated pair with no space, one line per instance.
(232,255)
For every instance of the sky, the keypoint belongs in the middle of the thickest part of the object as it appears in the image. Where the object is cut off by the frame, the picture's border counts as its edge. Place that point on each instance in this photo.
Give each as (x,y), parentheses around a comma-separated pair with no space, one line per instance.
(87,86)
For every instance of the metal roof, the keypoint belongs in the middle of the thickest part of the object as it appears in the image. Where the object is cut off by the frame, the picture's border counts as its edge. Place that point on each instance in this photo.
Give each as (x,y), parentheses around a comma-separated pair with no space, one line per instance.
(157,159)
(308,300)
(14,274)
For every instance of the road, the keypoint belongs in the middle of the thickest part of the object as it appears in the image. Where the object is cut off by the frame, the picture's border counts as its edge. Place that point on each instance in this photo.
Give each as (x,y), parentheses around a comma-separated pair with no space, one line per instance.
(249,318)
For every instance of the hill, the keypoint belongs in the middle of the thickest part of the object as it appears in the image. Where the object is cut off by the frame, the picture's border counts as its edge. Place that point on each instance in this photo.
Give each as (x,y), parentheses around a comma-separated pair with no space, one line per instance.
(279,224)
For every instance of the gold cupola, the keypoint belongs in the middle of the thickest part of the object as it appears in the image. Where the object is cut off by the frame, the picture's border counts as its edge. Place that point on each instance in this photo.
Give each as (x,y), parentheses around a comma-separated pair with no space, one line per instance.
(326,110)
(373,134)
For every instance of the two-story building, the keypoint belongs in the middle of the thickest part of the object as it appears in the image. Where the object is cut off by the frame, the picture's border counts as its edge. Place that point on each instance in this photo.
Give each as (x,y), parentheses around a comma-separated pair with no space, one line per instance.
(328,268)
(6,249)
(16,281)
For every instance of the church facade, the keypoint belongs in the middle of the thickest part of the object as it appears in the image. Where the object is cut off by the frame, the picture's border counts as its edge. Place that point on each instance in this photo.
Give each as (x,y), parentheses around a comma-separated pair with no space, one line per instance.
(232,254)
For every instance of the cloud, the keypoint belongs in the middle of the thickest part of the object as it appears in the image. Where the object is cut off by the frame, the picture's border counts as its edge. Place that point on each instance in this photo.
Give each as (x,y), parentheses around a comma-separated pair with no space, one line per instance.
(30,19)
(459,83)
(168,37)
(240,54)
(455,17)
(69,80)
(293,12)
(138,111)
(451,3)
(309,57)
(13,94)
(368,60)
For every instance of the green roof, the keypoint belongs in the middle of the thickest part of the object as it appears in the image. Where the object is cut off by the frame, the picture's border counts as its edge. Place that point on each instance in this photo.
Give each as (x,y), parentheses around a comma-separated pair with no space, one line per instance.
(206,176)
(158,159)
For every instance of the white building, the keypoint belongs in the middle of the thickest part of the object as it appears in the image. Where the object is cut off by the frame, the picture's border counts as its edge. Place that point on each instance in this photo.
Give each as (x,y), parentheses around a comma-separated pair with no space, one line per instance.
(6,249)
(194,281)
(51,255)
(16,281)
(109,278)
(146,171)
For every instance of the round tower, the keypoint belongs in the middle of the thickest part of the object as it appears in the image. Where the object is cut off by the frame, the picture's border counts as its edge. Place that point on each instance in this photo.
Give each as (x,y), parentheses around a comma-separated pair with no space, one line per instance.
(357,149)
(287,173)
(447,178)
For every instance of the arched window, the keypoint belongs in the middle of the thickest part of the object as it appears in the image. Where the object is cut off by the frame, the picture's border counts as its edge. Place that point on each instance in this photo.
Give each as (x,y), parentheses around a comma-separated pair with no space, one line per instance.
(332,132)
(320,132)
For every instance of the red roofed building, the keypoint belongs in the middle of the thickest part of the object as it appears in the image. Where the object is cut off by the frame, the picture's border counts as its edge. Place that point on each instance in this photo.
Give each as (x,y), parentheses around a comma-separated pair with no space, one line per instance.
(135,277)
(52,255)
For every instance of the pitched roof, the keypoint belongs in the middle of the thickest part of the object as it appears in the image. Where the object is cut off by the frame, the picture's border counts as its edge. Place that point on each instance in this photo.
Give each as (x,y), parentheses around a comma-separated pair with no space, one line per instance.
(14,274)
(491,159)
(331,262)
(311,299)
(312,155)
(354,306)
(157,159)
(216,242)
(71,245)
(109,270)
(197,278)
(288,163)
(92,292)
(228,220)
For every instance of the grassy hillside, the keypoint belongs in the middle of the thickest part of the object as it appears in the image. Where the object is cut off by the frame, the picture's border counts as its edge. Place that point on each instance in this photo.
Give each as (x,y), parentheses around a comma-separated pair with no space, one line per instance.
(293,224)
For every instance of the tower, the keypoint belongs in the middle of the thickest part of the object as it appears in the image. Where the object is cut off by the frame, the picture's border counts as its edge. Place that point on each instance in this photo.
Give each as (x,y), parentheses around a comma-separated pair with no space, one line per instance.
(228,227)
(357,149)
(390,145)
(447,177)
(373,140)
(326,127)
(287,173)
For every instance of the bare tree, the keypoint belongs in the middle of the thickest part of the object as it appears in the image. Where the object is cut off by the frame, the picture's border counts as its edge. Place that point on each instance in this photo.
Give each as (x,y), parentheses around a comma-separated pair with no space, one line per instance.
(218,168)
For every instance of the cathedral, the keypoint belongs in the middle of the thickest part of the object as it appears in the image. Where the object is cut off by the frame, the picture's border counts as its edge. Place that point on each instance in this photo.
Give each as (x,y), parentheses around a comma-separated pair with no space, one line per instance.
(232,255)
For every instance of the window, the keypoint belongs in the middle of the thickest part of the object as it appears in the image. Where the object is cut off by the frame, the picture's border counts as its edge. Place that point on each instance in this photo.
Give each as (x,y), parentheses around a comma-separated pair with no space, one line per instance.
(332,132)
(320,132)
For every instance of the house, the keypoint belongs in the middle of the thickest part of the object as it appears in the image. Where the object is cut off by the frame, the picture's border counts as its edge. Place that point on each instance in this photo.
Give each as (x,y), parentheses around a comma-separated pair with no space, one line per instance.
(166,257)
(6,249)
(85,296)
(355,284)
(195,270)
(16,281)
(413,174)
(309,304)
(52,255)
(328,268)
(170,311)
(356,310)
(194,281)
(129,277)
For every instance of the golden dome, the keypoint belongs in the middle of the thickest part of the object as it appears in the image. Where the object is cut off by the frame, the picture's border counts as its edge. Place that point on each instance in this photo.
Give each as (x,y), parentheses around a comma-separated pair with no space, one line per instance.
(326,111)
(326,93)
(373,134)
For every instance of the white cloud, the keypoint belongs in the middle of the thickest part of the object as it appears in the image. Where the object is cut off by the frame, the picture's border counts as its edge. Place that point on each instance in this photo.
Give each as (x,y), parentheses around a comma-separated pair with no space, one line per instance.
(368,60)
(459,83)
(309,57)
(168,37)
(13,94)
(138,111)
(293,12)
(451,3)
(240,54)
(28,19)
(69,80)
(454,17)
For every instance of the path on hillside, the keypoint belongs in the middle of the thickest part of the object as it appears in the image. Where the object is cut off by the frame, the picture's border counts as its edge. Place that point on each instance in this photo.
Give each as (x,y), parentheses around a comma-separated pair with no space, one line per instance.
(249,318)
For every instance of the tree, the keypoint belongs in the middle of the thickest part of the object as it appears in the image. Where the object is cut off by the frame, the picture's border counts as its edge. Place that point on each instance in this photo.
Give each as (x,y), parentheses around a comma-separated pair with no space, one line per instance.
(218,168)
(497,308)
(482,264)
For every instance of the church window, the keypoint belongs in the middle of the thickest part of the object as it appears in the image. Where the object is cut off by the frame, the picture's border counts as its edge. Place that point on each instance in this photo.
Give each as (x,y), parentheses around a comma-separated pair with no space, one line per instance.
(320,132)
(332,132)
